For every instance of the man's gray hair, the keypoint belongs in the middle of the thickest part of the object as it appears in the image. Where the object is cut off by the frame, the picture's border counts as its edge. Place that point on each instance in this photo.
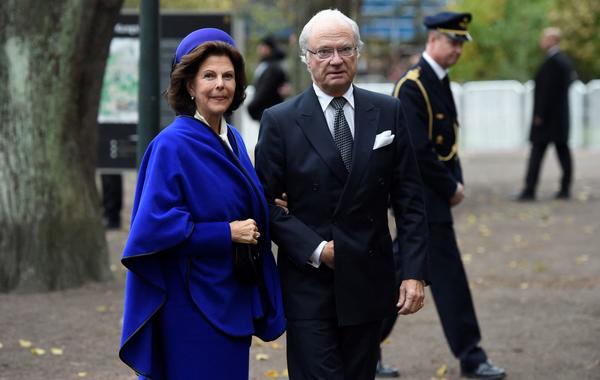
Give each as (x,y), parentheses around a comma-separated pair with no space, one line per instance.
(324,16)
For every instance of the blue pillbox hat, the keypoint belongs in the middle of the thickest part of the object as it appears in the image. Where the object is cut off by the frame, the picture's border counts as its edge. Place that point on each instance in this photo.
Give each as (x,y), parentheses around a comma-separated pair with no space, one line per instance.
(197,38)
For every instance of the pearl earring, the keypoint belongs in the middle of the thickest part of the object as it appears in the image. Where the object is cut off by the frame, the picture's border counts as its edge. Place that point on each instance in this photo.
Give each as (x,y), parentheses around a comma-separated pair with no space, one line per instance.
(192,96)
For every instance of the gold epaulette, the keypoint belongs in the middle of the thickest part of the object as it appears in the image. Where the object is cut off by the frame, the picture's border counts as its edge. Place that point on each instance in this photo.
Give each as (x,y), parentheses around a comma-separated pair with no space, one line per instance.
(412,74)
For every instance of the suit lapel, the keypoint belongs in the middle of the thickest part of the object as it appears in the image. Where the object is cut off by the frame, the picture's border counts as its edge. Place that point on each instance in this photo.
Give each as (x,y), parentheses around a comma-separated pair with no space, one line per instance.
(312,121)
(366,119)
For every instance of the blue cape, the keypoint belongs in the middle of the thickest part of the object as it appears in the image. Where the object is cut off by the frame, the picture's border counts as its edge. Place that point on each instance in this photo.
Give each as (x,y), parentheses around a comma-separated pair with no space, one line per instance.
(188,191)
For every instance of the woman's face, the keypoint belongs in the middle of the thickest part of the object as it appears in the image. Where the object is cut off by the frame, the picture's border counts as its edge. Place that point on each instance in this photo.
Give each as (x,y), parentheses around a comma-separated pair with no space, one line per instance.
(213,86)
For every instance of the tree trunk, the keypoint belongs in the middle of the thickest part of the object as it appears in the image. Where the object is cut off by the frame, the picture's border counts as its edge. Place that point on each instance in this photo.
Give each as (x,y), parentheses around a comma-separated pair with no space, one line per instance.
(52,59)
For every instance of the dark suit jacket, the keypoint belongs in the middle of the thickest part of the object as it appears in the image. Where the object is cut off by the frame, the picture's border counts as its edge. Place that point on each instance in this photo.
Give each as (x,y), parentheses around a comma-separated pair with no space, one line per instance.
(296,154)
(551,99)
(432,120)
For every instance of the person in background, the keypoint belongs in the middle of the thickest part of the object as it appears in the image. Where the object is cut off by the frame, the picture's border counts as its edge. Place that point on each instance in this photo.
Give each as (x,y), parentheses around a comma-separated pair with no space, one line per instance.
(270,80)
(550,122)
(112,200)
(432,120)
(187,313)
(342,155)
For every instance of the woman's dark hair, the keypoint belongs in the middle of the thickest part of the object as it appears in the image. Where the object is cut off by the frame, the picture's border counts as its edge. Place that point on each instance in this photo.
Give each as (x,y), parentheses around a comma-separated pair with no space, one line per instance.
(177,94)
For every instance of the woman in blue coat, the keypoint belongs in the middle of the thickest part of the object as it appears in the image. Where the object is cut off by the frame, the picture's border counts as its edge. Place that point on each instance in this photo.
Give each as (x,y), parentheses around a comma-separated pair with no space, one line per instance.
(188,314)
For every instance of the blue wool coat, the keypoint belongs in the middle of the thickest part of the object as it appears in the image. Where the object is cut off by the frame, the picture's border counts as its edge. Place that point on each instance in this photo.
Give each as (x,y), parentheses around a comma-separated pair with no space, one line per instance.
(189,189)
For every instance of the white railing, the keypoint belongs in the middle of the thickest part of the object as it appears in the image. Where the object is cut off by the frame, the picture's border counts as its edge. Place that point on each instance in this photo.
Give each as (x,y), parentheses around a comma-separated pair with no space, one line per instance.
(494,115)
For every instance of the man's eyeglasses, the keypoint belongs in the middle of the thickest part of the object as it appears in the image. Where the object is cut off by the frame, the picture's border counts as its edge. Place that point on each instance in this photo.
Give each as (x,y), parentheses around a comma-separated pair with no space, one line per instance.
(327,53)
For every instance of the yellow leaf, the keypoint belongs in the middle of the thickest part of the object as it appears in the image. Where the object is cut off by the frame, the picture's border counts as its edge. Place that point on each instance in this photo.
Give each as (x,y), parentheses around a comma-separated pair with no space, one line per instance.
(466,258)
(262,356)
(588,230)
(517,238)
(386,341)
(82,374)
(524,285)
(1,345)
(441,371)
(24,343)
(285,373)
(38,351)
(582,259)
(113,268)
(546,237)
(101,309)
(276,346)
(272,374)
(56,351)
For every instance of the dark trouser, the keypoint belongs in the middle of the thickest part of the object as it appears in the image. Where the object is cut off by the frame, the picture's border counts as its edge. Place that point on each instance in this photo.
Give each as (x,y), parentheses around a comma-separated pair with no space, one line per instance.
(452,296)
(112,197)
(319,349)
(538,149)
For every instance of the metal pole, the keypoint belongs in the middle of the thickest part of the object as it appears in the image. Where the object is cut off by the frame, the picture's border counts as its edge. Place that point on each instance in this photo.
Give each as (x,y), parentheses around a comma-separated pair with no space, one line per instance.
(149,88)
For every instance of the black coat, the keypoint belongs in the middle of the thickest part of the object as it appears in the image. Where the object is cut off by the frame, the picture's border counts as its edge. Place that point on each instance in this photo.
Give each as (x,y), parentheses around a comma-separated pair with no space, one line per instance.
(432,121)
(266,88)
(551,99)
(296,154)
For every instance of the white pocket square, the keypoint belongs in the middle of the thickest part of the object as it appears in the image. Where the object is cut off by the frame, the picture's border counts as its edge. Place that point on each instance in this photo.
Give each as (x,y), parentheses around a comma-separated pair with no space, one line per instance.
(383,139)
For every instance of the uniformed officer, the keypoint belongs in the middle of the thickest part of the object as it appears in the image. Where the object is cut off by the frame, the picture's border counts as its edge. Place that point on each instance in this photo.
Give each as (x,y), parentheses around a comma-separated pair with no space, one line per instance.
(432,120)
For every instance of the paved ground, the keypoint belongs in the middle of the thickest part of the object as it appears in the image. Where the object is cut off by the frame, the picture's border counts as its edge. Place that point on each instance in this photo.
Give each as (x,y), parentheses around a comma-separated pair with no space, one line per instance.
(534,270)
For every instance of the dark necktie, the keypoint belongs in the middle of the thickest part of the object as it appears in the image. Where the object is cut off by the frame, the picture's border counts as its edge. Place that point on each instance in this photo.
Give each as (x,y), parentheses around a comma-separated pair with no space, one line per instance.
(341,132)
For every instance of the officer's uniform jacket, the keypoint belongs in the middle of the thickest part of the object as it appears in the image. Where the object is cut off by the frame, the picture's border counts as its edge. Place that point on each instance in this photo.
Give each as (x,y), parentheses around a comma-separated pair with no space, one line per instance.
(432,121)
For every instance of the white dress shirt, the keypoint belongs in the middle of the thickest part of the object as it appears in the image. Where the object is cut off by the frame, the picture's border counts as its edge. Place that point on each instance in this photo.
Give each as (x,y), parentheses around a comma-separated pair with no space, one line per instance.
(329,111)
(439,71)
(222,131)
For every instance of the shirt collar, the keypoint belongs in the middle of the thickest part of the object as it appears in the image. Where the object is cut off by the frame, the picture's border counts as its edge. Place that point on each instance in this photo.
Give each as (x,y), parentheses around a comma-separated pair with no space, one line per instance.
(222,130)
(439,71)
(325,99)
(553,50)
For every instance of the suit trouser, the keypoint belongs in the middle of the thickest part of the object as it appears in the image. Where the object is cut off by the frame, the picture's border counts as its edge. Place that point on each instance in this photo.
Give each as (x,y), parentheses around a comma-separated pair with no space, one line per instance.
(536,156)
(319,349)
(452,296)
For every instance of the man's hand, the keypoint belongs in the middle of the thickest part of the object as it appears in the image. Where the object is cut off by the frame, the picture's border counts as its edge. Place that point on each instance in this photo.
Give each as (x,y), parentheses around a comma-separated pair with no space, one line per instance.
(283,203)
(412,296)
(458,196)
(328,255)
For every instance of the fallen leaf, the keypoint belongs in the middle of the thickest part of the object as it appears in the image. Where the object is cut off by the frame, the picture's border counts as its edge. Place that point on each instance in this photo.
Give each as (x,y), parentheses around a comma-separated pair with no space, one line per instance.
(1,345)
(285,373)
(276,346)
(38,351)
(546,237)
(512,264)
(441,371)
(24,343)
(517,238)
(271,373)
(480,249)
(262,356)
(582,259)
(82,374)
(101,309)
(466,258)
(588,229)
(113,268)
(524,285)
(56,351)
(386,341)
(471,219)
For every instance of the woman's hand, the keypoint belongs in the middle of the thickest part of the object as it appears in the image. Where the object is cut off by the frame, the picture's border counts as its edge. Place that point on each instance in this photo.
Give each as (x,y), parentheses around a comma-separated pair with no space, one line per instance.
(244,231)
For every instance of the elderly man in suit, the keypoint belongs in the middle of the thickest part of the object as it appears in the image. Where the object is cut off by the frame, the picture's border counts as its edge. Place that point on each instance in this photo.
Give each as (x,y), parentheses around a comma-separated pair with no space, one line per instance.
(342,154)
(433,123)
(550,122)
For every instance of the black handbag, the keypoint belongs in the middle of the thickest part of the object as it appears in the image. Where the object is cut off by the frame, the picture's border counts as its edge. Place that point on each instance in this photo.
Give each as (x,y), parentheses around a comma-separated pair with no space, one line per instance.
(247,263)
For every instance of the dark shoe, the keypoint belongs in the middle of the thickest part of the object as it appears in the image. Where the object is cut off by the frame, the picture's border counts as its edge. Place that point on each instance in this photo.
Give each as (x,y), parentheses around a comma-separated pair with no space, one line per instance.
(385,371)
(562,195)
(525,196)
(485,370)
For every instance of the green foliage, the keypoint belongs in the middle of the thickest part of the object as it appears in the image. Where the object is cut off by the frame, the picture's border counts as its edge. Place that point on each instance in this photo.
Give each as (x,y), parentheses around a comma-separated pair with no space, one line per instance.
(580,23)
(505,39)
(506,35)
